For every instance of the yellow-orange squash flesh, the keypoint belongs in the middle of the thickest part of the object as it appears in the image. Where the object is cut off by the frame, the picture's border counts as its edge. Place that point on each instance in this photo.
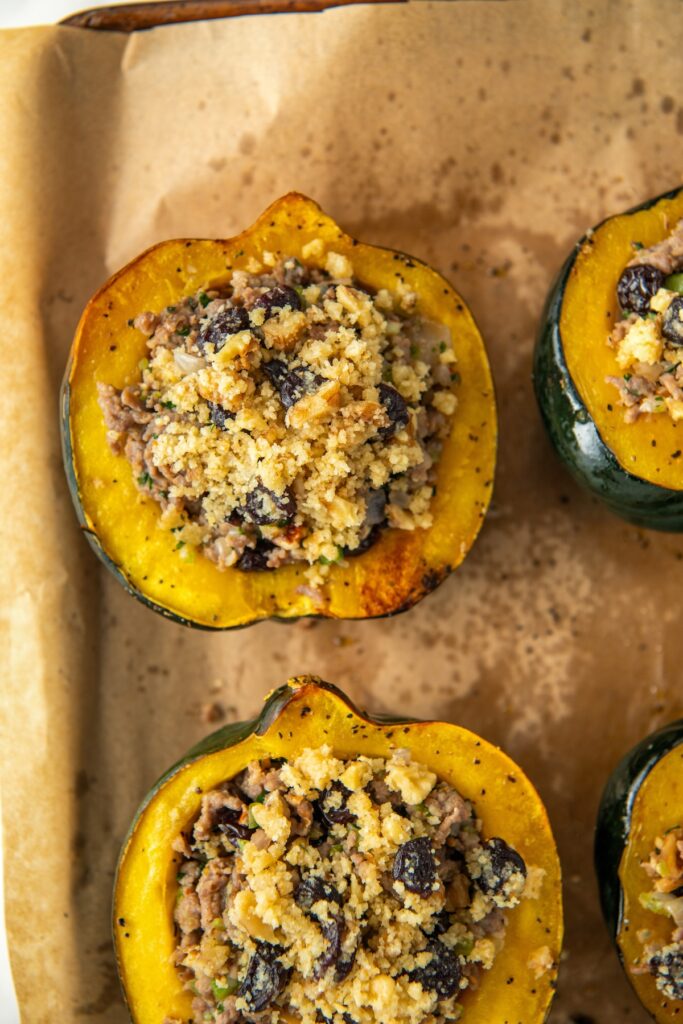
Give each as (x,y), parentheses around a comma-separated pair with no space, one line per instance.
(589,312)
(308,712)
(658,806)
(122,524)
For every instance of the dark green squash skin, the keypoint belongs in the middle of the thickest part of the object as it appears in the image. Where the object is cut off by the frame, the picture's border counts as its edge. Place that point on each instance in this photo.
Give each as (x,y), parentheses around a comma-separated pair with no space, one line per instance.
(574,434)
(614,816)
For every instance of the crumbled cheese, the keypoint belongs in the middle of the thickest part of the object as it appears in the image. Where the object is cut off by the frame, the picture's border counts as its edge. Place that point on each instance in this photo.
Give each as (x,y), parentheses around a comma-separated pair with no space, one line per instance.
(338,266)
(445,402)
(413,781)
(641,343)
(661,300)
(540,962)
(313,250)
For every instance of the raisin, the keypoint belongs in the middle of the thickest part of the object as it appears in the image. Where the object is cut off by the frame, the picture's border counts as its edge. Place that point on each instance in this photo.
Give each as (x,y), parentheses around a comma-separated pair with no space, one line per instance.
(666,967)
(636,287)
(339,815)
(678,891)
(277,298)
(264,508)
(291,383)
(265,978)
(414,865)
(255,559)
(313,889)
(442,974)
(218,415)
(226,820)
(396,409)
(217,331)
(333,931)
(672,322)
(500,863)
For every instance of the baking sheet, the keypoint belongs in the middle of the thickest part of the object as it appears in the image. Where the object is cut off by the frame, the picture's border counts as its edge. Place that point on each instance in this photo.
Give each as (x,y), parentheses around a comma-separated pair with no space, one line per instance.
(483,137)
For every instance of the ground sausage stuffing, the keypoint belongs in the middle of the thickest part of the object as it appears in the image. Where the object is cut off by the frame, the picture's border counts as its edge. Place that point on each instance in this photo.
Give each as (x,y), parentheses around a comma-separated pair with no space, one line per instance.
(648,341)
(664,867)
(287,416)
(339,892)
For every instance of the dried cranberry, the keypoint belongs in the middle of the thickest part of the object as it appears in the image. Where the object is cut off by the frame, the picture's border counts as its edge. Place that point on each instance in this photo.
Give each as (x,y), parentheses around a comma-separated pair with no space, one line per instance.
(396,409)
(313,889)
(500,863)
(338,814)
(217,330)
(666,966)
(218,415)
(442,974)
(277,298)
(264,508)
(672,322)
(414,865)
(291,383)
(636,287)
(265,979)
(255,559)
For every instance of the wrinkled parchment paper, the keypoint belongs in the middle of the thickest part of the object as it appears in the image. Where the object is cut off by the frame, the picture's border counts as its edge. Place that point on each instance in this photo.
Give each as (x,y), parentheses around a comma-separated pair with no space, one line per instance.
(483,137)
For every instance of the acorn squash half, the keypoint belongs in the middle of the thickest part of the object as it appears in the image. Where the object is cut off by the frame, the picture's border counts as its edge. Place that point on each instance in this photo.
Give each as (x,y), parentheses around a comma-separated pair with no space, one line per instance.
(309,712)
(635,469)
(642,799)
(121,524)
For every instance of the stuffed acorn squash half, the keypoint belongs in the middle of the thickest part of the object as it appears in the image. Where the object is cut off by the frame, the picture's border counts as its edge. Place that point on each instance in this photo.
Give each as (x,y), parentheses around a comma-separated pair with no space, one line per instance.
(639,865)
(280,424)
(608,369)
(317,864)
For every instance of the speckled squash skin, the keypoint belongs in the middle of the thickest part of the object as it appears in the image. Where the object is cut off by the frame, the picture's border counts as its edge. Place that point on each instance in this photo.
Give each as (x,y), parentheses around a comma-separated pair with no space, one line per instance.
(122,525)
(309,712)
(637,479)
(642,799)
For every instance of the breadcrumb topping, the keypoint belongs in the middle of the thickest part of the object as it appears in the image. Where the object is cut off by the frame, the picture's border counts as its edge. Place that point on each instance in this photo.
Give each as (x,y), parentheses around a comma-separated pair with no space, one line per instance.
(289,416)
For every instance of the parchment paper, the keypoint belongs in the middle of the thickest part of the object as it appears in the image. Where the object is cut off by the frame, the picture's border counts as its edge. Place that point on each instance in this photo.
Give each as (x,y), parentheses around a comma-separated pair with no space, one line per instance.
(483,137)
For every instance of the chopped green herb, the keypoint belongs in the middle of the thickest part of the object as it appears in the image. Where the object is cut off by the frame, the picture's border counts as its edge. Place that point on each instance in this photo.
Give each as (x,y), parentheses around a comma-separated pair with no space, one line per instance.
(627,376)
(168,405)
(171,309)
(331,561)
(179,545)
(455,377)
(223,991)
(652,315)
(443,346)
(414,351)
(204,299)
(183,331)
(238,254)
(638,245)
(192,303)
(145,480)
